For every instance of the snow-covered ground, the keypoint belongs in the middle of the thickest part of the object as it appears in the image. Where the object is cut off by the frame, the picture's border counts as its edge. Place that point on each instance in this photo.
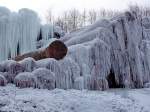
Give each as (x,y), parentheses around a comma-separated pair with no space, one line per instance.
(13,99)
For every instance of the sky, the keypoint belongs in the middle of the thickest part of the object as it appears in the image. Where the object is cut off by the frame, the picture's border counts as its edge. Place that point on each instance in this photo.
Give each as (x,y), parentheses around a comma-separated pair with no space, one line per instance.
(58,6)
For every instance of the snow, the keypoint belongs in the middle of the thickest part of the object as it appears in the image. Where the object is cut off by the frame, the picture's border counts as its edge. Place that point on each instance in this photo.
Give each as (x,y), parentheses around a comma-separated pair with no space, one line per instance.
(58,100)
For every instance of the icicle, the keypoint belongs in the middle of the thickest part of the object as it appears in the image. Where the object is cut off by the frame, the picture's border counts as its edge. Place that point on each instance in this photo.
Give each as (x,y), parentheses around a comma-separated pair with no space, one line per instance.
(79,83)
(11,69)
(3,80)
(25,80)
(45,78)
(47,31)
(70,71)
(29,28)
(29,64)
(18,32)
(53,66)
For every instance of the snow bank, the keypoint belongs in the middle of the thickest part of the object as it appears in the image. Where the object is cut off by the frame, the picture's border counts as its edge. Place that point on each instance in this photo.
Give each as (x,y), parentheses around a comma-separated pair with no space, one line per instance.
(58,100)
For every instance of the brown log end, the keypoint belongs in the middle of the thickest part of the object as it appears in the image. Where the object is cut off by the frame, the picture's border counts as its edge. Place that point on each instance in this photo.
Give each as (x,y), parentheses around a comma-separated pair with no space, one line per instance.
(57,50)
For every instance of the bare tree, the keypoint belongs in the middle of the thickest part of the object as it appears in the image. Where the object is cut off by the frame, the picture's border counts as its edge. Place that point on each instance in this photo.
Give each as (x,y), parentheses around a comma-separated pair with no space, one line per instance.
(92,16)
(49,16)
(84,17)
(73,19)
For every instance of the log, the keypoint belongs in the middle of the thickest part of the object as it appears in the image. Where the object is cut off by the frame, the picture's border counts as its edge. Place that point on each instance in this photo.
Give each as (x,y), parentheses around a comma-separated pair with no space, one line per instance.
(57,49)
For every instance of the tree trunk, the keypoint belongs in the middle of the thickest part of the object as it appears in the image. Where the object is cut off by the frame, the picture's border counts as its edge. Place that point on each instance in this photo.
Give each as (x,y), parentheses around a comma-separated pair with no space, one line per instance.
(56,49)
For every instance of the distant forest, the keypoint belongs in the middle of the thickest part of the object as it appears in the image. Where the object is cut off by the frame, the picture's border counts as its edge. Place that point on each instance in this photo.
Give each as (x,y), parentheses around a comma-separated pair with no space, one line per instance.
(73,19)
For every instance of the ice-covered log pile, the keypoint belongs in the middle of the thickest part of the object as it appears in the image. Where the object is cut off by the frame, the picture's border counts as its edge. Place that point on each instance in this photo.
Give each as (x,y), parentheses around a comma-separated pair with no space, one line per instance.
(111,53)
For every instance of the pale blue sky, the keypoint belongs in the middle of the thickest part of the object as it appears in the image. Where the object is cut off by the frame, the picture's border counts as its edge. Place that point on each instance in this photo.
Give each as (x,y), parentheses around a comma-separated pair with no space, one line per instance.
(58,6)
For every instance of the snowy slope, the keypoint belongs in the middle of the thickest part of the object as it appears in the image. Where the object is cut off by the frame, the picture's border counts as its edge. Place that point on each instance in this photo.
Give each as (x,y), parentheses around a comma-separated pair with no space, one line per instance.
(39,100)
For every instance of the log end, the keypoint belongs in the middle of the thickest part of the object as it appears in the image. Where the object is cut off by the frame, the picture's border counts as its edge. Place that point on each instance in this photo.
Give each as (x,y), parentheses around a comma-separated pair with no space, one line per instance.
(57,50)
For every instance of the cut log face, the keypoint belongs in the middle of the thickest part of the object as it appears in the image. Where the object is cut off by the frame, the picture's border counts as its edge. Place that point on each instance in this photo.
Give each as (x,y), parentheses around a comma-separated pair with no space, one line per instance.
(56,49)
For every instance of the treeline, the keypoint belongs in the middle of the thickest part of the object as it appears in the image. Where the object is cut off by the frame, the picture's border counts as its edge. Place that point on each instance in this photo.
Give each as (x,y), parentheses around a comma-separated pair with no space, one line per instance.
(74,19)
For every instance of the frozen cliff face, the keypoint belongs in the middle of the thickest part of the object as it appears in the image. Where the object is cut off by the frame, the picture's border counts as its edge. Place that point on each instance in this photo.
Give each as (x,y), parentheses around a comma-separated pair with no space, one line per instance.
(114,53)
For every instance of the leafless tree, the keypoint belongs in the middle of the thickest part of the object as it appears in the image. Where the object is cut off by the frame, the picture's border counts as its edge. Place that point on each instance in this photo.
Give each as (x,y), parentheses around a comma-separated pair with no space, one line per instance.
(92,16)
(49,16)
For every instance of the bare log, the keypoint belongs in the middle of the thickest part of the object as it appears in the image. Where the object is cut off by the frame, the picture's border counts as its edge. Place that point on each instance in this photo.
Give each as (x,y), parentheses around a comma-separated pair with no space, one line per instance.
(56,49)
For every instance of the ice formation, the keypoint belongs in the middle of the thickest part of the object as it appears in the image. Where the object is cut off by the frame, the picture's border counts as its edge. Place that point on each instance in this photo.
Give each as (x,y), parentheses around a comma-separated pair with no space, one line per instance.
(45,78)
(79,83)
(113,53)
(3,80)
(10,69)
(55,67)
(18,32)
(25,79)
(29,64)
(15,68)
(47,31)
(70,70)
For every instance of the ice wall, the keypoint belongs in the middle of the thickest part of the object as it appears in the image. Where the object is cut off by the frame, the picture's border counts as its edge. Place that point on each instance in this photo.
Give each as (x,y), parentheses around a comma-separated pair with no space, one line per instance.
(18,32)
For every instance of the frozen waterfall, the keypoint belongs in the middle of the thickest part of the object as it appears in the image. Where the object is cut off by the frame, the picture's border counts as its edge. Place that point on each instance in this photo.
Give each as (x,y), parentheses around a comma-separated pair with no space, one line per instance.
(20,31)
